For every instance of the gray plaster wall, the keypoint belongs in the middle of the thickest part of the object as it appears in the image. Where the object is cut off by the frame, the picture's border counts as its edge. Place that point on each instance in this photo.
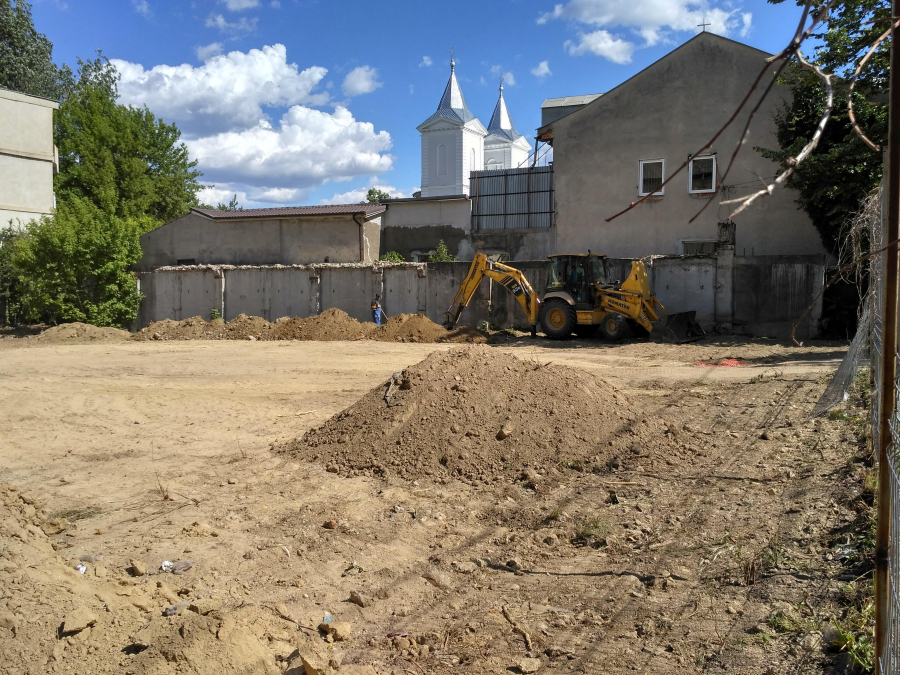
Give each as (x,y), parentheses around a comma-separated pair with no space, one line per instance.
(416,226)
(289,241)
(518,245)
(667,111)
(26,157)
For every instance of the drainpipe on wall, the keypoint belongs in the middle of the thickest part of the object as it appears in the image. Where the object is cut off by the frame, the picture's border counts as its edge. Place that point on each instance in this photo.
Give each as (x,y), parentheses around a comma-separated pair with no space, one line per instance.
(361,239)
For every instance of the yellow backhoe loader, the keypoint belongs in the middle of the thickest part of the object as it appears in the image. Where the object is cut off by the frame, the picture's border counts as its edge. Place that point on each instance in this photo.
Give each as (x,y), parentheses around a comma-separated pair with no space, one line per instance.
(579,300)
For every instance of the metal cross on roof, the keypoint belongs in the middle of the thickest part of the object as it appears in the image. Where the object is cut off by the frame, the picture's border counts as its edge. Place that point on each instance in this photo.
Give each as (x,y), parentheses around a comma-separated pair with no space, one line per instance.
(703,25)
(452,53)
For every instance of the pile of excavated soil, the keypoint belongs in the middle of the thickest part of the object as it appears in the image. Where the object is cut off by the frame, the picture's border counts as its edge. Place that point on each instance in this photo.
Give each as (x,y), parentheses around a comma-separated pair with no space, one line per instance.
(476,414)
(332,324)
(82,332)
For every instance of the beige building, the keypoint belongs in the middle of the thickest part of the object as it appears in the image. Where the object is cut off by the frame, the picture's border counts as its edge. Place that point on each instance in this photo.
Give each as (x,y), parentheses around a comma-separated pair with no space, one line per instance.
(614,149)
(28,158)
(292,235)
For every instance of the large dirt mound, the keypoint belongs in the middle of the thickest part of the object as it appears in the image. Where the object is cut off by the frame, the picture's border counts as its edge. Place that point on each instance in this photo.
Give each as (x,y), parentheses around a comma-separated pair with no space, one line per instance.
(476,414)
(332,324)
(82,332)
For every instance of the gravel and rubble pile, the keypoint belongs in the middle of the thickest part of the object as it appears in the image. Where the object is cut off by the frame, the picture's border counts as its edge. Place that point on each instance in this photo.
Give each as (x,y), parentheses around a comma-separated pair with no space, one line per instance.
(477,415)
(332,324)
(81,332)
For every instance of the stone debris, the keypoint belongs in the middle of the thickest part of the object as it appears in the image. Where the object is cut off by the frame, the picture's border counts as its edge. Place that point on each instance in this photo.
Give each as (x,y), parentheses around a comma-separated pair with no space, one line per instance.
(77,620)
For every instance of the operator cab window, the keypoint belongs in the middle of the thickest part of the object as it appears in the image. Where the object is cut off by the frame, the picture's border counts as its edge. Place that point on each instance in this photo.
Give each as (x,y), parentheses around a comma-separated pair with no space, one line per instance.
(652,177)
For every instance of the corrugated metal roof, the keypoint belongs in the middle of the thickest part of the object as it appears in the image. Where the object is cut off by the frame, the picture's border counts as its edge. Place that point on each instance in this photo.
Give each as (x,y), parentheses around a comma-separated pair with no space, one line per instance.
(569,100)
(453,104)
(501,123)
(368,210)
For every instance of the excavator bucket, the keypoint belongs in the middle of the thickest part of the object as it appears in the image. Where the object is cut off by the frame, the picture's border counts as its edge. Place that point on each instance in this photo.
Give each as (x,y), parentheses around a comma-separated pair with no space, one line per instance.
(681,327)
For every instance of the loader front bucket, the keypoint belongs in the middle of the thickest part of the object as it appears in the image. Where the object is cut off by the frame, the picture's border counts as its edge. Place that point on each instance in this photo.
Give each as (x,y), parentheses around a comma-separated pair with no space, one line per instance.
(681,327)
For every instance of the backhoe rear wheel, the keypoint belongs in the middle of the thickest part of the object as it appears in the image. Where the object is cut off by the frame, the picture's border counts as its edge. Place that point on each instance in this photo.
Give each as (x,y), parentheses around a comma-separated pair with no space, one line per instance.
(557,319)
(614,327)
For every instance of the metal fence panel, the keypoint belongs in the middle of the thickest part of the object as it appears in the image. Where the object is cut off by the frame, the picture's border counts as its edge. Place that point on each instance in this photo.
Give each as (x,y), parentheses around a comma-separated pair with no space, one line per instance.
(512,198)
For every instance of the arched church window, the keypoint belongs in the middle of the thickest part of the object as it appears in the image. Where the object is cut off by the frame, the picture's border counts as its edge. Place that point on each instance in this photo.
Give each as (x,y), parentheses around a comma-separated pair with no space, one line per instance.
(472,165)
(442,160)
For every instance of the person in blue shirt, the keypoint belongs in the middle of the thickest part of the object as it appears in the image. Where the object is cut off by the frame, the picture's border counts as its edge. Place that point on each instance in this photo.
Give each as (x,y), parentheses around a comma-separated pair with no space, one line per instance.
(377,313)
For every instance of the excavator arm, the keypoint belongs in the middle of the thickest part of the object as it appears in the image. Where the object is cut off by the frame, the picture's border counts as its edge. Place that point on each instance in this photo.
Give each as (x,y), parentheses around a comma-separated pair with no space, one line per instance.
(508,277)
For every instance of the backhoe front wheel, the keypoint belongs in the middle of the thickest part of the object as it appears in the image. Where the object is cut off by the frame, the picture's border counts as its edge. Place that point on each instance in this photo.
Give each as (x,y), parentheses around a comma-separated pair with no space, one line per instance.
(557,319)
(614,327)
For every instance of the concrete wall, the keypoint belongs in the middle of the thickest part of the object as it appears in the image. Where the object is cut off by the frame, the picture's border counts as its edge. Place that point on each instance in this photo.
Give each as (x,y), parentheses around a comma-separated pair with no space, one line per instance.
(26,157)
(181,294)
(667,111)
(761,295)
(417,225)
(259,241)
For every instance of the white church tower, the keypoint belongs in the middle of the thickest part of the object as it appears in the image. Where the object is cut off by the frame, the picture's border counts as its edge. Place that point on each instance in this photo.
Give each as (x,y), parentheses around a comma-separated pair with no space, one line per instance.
(452,144)
(504,147)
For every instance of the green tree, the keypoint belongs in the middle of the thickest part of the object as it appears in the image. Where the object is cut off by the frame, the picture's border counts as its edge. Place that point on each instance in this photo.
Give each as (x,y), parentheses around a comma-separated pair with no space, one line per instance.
(126,161)
(26,62)
(76,266)
(10,304)
(842,170)
(392,256)
(376,196)
(231,205)
(442,254)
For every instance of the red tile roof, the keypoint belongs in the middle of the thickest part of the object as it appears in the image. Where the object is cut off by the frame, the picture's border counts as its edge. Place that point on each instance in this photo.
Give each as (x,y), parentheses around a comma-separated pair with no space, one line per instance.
(367,210)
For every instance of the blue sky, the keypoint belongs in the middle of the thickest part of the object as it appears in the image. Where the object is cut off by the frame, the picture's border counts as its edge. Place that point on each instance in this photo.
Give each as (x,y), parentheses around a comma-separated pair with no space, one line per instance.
(313,101)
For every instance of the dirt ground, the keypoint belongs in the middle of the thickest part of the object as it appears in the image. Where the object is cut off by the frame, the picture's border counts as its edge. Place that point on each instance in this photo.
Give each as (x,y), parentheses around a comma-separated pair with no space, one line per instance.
(122,455)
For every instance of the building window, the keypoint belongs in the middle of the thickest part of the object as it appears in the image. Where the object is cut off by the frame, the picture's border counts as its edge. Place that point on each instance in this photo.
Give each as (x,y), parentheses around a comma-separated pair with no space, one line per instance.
(702,175)
(472,165)
(699,247)
(652,176)
(442,160)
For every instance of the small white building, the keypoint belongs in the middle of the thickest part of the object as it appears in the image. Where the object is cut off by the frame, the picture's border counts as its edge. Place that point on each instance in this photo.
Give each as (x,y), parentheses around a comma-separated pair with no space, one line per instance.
(28,158)
(504,147)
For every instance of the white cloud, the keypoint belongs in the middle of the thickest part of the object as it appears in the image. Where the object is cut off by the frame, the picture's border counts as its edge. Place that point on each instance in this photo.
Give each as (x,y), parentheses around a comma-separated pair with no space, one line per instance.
(307,149)
(746,23)
(541,70)
(508,77)
(359,195)
(239,5)
(242,26)
(426,62)
(275,4)
(227,92)
(651,20)
(210,50)
(601,43)
(361,80)
(141,7)
(412,89)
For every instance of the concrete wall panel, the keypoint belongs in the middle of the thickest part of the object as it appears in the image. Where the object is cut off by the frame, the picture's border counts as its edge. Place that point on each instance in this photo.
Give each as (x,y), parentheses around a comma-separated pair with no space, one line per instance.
(269,292)
(350,289)
(685,284)
(771,292)
(401,291)
(179,294)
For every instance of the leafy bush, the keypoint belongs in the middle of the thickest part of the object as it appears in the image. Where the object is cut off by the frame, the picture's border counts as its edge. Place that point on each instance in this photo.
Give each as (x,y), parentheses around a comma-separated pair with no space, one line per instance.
(10,306)
(76,266)
(442,254)
(392,256)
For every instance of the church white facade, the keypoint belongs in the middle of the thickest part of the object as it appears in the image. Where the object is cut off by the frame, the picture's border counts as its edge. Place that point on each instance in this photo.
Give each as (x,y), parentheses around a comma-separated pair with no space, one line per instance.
(455,142)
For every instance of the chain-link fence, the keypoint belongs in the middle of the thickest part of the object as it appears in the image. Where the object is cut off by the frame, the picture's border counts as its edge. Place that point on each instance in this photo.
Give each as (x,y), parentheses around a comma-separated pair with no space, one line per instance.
(890,656)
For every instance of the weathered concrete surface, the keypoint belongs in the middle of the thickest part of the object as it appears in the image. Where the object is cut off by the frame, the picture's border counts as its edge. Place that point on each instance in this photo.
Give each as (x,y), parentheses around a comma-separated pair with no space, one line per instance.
(26,157)
(414,227)
(518,245)
(197,240)
(180,294)
(270,292)
(759,296)
(667,111)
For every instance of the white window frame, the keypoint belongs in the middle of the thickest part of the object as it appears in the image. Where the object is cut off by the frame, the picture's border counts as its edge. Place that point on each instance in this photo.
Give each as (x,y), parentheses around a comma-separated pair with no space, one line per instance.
(715,173)
(662,190)
(698,241)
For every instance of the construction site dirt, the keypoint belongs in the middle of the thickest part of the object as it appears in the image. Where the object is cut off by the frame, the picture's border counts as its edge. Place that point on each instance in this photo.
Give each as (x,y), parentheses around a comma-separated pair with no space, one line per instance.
(527,506)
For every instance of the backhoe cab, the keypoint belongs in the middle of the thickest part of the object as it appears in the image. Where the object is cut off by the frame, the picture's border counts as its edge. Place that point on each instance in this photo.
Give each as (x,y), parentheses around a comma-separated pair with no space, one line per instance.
(580,299)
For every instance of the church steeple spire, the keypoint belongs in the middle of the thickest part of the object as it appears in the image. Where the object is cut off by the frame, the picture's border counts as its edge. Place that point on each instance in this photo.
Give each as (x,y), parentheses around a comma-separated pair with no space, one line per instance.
(453,104)
(501,123)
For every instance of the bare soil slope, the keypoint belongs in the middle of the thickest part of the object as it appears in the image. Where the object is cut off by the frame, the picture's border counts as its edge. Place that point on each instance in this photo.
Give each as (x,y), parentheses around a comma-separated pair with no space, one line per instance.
(476,414)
